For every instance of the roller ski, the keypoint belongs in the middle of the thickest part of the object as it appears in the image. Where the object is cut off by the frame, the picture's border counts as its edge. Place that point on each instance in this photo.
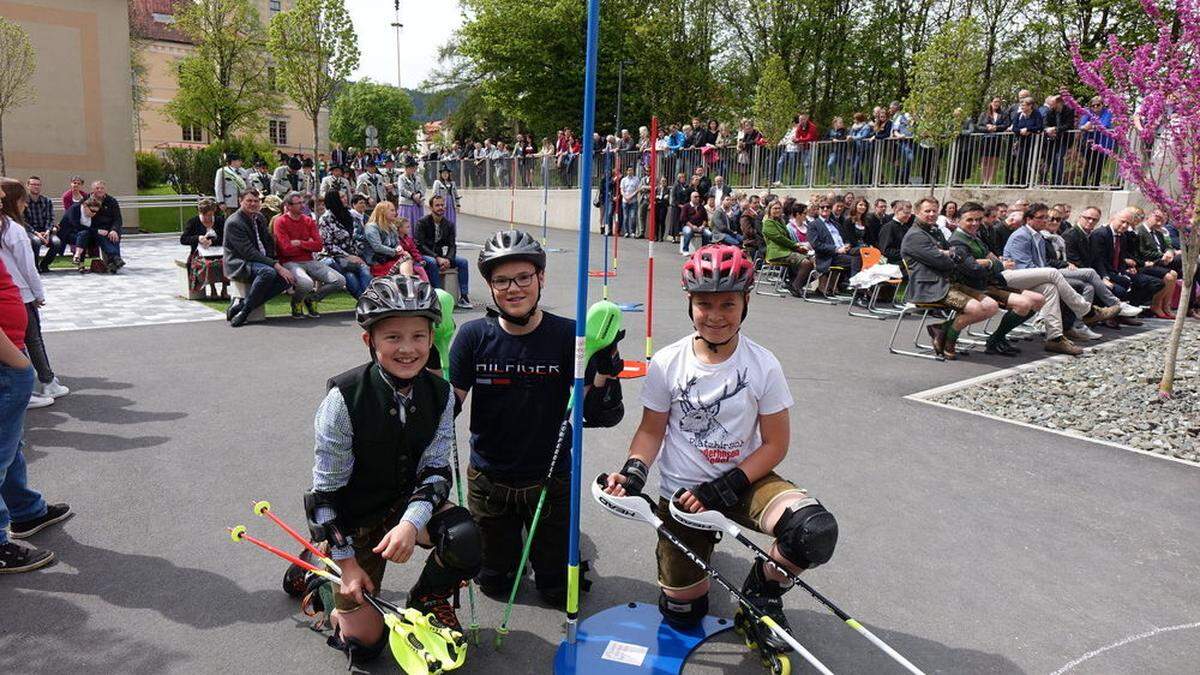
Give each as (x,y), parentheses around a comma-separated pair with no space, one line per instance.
(424,638)
(715,521)
(754,621)
(767,597)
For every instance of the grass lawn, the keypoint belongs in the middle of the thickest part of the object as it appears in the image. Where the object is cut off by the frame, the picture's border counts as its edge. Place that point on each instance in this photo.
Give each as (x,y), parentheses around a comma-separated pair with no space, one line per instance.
(281,305)
(163,218)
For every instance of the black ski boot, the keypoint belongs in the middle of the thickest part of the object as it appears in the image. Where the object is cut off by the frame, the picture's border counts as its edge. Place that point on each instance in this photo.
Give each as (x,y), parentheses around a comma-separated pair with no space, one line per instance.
(767,598)
(432,595)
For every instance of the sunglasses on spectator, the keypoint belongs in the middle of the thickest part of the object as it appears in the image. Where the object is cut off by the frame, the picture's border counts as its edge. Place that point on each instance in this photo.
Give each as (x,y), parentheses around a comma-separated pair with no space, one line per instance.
(504,283)
(1055,219)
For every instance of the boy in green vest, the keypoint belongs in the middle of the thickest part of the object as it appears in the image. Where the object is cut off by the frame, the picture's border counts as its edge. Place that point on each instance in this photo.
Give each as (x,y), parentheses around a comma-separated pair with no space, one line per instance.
(384,437)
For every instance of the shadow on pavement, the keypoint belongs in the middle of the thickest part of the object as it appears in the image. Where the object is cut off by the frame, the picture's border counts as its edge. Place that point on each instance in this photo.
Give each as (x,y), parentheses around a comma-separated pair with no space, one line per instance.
(192,596)
(47,634)
(40,432)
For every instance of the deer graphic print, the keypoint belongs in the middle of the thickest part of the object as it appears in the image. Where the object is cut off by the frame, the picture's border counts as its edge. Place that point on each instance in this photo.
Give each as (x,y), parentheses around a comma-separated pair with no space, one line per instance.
(699,419)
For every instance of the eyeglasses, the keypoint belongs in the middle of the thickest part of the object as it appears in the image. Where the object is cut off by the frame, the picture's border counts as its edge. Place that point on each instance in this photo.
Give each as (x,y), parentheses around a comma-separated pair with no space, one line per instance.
(504,283)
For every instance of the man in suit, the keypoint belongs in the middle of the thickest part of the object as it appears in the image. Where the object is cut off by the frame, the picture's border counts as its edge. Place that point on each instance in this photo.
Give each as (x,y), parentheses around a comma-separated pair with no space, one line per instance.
(250,258)
(1118,266)
(931,268)
(436,239)
(874,222)
(723,223)
(892,234)
(1027,249)
(831,249)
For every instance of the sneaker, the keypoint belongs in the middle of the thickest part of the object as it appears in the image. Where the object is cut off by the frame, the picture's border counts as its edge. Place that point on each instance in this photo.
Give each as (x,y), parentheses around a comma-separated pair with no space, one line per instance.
(15,558)
(464,303)
(999,348)
(297,311)
(55,513)
(240,319)
(36,401)
(1062,346)
(1128,310)
(53,389)
(1091,334)
(311,308)
(1080,336)
(1099,314)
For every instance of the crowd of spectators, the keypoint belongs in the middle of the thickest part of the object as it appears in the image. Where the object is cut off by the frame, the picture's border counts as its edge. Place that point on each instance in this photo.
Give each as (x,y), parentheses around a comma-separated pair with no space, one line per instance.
(996,147)
(295,230)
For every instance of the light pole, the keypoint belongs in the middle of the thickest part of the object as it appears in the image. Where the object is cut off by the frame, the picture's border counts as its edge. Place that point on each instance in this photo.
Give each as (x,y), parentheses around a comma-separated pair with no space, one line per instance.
(397,25)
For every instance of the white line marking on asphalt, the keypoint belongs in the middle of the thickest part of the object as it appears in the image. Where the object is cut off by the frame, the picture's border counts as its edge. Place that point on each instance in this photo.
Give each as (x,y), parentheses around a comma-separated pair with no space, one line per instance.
(1123,642)
(925,396)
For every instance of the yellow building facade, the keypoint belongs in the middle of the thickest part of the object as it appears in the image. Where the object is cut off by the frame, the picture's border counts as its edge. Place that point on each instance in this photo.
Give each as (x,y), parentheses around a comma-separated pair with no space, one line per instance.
(80,120)
(290,131)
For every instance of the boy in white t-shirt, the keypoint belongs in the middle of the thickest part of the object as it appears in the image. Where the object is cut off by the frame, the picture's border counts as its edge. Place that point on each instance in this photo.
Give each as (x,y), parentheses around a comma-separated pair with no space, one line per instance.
(716,412)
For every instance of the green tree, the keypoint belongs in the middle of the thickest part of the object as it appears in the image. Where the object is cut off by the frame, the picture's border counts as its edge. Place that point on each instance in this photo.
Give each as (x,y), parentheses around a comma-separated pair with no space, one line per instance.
(315,50)
(20,62)
(223,85)
(945,83)
(364,103)
(774,102)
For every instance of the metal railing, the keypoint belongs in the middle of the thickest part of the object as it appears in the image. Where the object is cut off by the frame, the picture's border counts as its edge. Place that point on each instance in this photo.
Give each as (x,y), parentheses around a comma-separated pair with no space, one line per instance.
(998,160)
(159,208)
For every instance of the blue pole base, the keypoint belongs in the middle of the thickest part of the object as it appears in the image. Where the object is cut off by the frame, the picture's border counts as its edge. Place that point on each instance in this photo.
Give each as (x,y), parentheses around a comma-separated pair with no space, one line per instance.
(632,638)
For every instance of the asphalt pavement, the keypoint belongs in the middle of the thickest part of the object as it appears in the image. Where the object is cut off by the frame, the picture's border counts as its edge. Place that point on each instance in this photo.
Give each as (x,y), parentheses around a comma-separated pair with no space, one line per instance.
(970,545)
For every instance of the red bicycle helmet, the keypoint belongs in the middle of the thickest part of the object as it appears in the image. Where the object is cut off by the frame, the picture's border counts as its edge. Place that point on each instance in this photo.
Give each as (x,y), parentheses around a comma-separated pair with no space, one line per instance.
(717,268)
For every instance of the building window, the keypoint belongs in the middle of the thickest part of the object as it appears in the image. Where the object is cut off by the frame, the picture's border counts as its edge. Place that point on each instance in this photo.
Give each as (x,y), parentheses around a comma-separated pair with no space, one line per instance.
(277,131)
(274,6)
(271,85)
(193,132)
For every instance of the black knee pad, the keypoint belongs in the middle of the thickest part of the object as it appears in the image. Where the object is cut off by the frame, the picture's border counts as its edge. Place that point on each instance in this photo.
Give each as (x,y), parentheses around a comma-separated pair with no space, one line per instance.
(807,535)
(357,652)
(457,541)
(682,614)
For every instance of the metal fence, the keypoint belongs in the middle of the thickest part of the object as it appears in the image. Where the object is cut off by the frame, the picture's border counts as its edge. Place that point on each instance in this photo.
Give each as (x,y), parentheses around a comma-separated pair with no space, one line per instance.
(1000,160)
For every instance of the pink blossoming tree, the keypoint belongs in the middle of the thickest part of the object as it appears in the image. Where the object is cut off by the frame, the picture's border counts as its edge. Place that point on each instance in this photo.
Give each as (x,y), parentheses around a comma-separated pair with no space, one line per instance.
(1153,92)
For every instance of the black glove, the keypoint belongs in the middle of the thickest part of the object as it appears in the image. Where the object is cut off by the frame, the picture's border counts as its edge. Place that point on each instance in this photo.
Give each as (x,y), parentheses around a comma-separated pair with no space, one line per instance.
(607,361)
(722,492)
(634,472)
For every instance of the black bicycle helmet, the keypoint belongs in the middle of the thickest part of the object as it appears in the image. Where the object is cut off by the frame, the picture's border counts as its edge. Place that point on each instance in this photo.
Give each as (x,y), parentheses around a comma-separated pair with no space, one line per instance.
(389,296)
(509,245)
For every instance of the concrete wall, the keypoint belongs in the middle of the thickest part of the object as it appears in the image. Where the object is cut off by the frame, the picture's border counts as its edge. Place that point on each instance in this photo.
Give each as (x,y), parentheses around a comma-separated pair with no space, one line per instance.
(562,212)
(82,119)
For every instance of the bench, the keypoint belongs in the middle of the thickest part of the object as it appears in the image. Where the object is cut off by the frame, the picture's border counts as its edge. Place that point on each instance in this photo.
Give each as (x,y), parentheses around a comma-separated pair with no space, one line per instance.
(239,289)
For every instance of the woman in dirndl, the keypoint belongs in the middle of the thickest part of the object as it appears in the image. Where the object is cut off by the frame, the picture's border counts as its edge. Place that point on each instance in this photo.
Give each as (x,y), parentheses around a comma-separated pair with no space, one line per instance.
(412,192)
(445,188)
(204,233)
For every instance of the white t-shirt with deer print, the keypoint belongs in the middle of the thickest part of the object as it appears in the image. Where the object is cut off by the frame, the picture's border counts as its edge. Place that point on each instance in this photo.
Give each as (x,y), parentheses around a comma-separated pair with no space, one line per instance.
(713,421)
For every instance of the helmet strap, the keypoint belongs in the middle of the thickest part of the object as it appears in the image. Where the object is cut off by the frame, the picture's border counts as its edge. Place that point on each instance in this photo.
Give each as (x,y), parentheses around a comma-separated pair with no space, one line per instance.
(714,347)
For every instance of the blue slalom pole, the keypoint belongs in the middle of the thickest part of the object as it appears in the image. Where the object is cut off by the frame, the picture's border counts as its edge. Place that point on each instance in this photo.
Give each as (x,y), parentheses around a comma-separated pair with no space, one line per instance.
(581,280)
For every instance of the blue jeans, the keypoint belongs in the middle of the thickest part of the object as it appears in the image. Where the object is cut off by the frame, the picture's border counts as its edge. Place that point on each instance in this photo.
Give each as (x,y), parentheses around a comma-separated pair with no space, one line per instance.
(689,232)
(86,238)
(265,283)
(629,217)
(357,276)
(435,276)
(787,159)
(17,501)
(729,238)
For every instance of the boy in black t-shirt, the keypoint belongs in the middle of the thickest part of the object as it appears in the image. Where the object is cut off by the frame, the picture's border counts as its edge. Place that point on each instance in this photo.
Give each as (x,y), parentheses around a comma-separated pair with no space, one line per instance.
(519,360)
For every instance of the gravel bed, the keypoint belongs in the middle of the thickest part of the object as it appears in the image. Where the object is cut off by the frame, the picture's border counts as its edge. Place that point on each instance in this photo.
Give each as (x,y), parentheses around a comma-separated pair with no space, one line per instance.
(1108,393)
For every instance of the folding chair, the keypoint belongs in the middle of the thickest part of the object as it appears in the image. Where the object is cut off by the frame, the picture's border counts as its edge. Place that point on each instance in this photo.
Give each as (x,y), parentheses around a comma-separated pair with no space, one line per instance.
(772,280)
(871,257)
(835,276)
(920,350)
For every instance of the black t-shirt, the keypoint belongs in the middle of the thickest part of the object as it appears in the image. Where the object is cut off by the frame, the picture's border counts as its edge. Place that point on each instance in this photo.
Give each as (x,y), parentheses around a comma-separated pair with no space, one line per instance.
(521,385)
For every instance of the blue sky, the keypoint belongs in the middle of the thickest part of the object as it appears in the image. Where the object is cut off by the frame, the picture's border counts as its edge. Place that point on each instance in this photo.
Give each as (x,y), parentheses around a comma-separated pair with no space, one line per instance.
(427,26)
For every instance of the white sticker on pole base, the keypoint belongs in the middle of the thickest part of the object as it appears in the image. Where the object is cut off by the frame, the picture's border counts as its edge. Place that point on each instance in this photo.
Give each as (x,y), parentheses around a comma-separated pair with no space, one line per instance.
(625,652)
(580,353)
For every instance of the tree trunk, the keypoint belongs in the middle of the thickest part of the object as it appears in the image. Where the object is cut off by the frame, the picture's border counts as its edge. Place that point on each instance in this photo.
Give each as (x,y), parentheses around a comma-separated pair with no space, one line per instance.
(316,120)
(1166,386)
(3,167)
